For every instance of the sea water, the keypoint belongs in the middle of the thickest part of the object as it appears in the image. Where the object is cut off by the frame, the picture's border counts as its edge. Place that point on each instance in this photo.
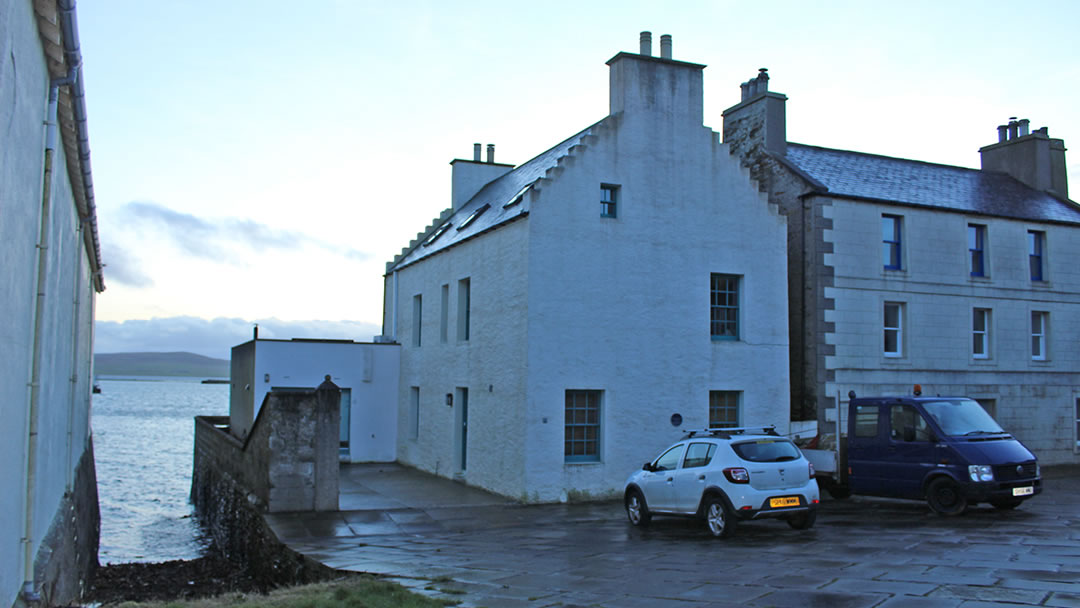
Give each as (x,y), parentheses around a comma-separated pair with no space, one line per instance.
(144,432)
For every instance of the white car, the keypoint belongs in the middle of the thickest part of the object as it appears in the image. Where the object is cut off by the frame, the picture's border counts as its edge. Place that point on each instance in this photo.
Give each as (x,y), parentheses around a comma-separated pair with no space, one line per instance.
(724,475)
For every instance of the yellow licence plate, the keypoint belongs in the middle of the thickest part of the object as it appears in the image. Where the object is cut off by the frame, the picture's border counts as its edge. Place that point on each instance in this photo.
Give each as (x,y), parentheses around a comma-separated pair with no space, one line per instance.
(786,501)
(1025,491)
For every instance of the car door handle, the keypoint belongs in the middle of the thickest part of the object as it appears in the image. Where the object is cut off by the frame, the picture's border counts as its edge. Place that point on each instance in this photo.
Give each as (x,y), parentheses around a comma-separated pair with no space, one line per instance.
(671,479)
(701,478)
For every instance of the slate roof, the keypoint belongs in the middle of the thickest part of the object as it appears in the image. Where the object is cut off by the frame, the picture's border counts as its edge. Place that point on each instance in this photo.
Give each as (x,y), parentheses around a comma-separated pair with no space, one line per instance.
(500,201)
(897,180)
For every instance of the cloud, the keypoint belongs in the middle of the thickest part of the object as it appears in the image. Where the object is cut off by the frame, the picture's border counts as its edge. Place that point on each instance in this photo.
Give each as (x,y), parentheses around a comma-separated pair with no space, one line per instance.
(210,239)
(123,268)
(215,337)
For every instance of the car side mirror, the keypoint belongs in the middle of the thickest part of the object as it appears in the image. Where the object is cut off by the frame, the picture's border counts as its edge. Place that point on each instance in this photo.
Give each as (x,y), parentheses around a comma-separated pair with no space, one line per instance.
(909,433)
(647,467)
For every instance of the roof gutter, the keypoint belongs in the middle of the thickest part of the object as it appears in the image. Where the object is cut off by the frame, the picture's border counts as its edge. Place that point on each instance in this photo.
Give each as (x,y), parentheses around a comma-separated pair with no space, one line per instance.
(69,28)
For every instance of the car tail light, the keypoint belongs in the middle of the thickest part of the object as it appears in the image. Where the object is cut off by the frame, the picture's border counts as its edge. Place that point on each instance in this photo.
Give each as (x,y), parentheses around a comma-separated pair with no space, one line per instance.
(737,475)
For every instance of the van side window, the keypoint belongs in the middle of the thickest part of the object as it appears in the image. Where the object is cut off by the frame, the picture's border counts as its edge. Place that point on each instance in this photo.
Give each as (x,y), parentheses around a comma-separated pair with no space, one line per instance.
(904,417)
(866,417)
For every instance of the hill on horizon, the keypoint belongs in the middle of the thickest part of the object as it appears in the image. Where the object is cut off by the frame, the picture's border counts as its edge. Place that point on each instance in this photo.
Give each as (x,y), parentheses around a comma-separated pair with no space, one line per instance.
(160,364)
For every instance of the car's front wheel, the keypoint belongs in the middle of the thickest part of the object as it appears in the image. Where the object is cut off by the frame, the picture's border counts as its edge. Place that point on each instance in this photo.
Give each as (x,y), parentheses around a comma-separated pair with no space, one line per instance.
(636,510)
(719,519)
(945,497)
(803,521)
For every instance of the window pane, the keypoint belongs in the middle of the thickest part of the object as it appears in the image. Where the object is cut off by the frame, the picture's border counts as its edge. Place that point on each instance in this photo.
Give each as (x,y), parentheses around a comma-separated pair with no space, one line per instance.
(888,228)
(724,306)
(866,421)
(892,315)
(892,342)
(979,321)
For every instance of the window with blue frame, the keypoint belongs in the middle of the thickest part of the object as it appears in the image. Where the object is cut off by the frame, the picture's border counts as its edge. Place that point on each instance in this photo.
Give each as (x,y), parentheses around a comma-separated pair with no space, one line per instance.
(1036,244)
(582,439)
(608,200)
(890,241)
(977,249)
(723,409)
(724,307)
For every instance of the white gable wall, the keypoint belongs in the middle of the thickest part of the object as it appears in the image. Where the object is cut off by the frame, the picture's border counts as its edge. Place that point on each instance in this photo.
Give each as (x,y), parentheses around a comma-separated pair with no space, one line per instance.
(1035,400)
(622,304)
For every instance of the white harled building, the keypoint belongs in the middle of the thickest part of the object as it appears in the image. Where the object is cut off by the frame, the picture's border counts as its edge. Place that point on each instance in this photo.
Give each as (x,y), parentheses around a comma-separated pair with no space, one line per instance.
(568,317)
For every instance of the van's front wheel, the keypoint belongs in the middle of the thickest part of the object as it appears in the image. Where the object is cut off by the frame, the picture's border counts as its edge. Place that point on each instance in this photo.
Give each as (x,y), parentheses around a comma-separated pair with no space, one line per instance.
(945,497)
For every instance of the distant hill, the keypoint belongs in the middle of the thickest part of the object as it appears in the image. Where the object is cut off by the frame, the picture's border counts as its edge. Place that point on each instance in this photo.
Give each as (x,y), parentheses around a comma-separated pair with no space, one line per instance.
(160,364)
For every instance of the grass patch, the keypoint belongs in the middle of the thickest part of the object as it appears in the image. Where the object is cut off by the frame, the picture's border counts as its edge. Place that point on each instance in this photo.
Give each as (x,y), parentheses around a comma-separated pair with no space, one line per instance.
(362,591)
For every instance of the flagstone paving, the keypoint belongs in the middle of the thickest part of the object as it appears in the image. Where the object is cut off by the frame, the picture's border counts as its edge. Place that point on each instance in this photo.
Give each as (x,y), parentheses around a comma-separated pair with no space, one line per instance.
(448,540)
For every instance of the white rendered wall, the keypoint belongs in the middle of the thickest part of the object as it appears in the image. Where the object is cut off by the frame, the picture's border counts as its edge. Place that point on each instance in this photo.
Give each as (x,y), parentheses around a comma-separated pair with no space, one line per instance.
(491,364)
(1035,400)
(369,371)
(64,405)
(566,299)
(622,304)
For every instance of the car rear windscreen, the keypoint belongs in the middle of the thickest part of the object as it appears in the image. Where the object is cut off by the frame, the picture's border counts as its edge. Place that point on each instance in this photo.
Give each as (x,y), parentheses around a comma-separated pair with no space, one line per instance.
(767,450)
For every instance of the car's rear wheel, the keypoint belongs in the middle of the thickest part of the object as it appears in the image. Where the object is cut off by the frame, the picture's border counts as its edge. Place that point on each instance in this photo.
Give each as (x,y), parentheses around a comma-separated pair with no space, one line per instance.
(719,519)
(945,497)
(803,521)
(1006,503)
(636,510)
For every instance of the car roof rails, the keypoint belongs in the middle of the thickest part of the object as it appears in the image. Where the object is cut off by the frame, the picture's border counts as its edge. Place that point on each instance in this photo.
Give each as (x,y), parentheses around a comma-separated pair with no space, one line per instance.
(727,432)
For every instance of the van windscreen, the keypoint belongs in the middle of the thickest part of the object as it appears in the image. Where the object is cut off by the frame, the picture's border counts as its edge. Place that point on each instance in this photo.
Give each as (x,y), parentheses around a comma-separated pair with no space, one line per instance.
(958,417)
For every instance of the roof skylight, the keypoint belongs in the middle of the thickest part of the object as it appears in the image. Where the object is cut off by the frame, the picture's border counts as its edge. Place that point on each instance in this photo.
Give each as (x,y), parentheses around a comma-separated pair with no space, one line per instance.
(472,216)
(435,235)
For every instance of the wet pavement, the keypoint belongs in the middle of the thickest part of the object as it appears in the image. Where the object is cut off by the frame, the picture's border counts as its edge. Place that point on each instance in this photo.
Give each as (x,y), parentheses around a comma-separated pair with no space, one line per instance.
(444,539)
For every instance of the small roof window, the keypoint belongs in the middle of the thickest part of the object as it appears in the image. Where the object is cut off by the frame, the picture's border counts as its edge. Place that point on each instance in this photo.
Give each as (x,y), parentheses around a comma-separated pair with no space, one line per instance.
(517,197)
(435,235)
(472,216)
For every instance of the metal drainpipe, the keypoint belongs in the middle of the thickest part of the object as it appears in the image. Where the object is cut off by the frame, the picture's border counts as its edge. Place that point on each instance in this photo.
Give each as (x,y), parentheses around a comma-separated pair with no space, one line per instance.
(76,301)
(30,594)
(393,314)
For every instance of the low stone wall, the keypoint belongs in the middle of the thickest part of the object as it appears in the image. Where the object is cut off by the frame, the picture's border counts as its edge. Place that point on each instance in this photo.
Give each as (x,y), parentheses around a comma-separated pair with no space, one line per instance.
(288,462)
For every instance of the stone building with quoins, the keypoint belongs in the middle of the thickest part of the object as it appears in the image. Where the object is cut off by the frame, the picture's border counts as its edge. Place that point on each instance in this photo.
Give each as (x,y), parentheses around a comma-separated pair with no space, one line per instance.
(567,318)
(901,272)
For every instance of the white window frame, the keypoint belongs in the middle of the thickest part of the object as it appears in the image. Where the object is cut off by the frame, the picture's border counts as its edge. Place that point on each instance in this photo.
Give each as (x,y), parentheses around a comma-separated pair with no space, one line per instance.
(418,318)
(898,329)
(414,405)
(1076,413)
(983,335)
(1039,337)
(896,240)
(444,313)
(464,318)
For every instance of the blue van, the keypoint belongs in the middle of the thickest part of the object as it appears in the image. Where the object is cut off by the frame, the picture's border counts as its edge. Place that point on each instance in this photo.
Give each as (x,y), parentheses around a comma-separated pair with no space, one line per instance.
(946,450)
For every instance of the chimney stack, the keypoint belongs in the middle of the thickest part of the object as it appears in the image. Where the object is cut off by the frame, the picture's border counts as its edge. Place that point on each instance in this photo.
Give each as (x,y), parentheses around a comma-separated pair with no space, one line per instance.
(1033,158)
(467,178)
(665,46)
(646,44)
(759,120)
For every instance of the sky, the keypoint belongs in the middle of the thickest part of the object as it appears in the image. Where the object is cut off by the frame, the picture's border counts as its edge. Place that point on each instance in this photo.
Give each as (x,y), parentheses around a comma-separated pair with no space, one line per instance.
(260,162)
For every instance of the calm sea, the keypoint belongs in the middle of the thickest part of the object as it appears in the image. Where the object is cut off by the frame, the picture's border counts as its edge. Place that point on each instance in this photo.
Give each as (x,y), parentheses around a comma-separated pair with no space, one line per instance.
(143,433)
